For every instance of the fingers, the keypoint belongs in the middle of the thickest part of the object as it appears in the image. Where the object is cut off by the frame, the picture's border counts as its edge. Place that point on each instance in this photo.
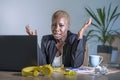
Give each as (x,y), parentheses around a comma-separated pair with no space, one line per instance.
(88,22)
(84,27)
(28,30)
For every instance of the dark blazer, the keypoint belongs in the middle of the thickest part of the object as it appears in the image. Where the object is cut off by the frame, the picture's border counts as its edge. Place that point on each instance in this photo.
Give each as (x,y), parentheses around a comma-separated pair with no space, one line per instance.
(73,50)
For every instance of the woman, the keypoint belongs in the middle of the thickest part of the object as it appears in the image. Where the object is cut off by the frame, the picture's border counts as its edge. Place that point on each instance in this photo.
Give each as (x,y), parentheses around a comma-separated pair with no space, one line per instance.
(62,46)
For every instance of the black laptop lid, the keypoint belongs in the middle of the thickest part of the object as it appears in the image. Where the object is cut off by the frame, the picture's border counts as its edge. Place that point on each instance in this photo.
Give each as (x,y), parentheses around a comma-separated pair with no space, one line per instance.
(17,52)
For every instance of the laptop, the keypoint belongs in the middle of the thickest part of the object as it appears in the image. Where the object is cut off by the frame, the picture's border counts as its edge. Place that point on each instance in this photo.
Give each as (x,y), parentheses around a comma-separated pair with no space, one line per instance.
(17,52)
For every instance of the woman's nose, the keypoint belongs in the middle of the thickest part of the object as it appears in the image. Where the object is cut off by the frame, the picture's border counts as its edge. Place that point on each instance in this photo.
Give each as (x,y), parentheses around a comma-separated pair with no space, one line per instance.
(57,27)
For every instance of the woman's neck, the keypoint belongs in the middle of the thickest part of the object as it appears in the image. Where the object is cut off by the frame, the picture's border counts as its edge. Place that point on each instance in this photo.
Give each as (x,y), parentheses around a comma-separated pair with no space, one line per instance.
(63,38)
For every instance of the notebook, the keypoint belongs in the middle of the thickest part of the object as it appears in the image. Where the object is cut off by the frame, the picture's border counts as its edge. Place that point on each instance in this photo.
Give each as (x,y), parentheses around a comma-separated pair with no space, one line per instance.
(17,52)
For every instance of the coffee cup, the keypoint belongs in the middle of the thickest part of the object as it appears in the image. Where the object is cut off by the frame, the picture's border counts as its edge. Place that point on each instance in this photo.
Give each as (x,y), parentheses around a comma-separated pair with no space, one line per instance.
(95,60)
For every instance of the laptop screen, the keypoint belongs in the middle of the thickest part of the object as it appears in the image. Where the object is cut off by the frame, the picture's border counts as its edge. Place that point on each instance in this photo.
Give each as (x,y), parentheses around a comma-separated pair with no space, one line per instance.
(17,52)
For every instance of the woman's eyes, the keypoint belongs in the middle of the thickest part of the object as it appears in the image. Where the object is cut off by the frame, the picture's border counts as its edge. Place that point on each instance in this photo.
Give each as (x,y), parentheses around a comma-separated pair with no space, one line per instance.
(61,25)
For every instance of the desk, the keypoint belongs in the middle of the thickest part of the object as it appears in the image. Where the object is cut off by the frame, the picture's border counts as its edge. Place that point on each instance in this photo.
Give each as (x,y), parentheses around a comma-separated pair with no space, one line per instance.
(60,76)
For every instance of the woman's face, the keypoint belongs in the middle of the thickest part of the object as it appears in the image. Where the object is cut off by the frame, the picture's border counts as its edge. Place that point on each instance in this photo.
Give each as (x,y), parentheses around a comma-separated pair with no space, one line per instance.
(59,28)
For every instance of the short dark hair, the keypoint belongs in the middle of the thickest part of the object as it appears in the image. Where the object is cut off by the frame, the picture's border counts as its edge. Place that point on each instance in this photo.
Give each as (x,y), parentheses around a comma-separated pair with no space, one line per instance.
(62,14)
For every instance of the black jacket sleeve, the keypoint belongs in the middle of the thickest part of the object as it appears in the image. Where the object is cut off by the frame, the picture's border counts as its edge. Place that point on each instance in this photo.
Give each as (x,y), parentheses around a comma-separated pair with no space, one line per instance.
(41,53)
(78,50)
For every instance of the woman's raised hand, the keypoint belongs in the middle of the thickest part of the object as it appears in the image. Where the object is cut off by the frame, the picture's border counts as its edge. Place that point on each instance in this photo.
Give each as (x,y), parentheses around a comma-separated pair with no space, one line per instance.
(84,27)
(28,30)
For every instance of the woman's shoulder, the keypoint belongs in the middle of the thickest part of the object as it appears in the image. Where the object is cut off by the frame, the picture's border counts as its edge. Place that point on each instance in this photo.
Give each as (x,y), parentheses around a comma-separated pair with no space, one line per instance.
(73,36)
(48,37)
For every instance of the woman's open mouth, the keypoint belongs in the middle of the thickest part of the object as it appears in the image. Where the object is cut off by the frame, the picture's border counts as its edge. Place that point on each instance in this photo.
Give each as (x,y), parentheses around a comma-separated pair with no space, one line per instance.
(56,35)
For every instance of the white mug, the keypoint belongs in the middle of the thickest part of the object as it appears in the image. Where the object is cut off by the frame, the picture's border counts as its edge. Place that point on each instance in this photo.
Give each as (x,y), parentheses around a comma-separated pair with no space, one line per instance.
(95,60)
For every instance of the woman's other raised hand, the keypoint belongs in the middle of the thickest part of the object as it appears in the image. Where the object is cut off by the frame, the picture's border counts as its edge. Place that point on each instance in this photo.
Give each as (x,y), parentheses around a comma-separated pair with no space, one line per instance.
(28,30)
(84,27)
